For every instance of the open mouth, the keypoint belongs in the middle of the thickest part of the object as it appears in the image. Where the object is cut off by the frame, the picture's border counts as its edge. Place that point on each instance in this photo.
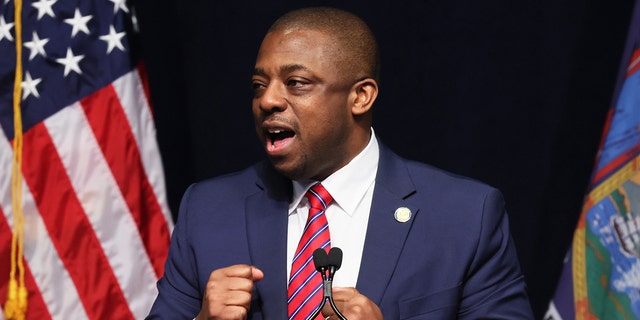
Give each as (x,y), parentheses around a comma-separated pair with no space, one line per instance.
(278,138)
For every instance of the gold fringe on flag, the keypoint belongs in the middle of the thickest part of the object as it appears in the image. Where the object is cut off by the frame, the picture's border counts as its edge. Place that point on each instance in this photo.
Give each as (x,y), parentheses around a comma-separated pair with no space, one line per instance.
(16,306)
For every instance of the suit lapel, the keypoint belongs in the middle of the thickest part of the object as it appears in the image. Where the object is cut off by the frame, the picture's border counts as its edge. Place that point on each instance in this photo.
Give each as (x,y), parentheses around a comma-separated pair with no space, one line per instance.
(267,237)
(385,235)
(267,232)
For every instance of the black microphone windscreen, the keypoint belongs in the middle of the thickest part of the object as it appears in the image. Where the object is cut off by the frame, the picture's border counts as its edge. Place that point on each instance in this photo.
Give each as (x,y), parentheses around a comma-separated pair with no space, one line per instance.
(335,257)
(320,259)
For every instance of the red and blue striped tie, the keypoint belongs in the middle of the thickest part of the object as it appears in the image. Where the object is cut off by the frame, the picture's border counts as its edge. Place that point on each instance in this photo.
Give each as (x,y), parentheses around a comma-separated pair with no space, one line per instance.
(305,284)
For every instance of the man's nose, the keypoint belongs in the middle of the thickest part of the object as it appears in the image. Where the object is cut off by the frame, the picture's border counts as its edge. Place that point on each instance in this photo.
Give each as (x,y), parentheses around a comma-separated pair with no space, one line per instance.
(273,99)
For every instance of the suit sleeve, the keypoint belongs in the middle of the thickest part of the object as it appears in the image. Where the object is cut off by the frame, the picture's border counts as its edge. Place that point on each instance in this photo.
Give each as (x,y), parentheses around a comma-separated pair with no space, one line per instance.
(495,287)
(178,290)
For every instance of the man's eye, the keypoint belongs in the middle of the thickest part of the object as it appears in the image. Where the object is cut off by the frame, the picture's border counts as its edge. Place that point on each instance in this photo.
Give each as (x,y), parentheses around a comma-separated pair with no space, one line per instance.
(295,83)
(258,88)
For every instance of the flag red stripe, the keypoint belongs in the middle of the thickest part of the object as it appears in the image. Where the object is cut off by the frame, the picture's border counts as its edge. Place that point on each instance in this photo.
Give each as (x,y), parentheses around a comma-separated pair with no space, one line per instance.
(616,163)
(120,150)
(37,307)
(634,64)
(69,229)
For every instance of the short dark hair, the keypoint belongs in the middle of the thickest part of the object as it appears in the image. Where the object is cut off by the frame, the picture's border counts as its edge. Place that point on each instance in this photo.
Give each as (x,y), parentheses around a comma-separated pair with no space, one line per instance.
(355,41)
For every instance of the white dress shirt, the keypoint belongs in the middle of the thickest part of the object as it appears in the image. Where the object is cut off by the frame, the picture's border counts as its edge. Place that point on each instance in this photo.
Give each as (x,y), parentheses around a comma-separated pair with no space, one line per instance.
(352,190)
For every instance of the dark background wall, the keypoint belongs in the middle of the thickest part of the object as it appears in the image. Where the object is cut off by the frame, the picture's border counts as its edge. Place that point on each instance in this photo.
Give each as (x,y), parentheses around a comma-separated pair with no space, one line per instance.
(513,93)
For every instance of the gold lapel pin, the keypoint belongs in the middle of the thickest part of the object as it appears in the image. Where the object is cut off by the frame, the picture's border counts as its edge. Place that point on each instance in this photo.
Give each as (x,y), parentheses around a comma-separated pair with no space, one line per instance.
(402,214)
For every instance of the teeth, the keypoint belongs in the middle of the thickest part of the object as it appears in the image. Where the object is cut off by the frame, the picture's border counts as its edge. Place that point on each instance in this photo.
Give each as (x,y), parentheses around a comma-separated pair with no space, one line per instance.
(274,132)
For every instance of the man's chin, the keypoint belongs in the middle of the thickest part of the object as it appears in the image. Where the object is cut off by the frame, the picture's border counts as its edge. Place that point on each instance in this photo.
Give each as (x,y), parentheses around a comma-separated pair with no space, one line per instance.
(287,168)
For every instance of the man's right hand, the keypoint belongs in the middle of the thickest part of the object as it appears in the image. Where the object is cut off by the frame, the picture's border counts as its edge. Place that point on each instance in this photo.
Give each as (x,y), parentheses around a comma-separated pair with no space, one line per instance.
(228,293)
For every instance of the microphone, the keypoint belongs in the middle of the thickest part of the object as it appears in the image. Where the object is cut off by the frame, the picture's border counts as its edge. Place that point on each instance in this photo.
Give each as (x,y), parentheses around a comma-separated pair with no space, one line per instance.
(327,263)
(334,261)
(321,261)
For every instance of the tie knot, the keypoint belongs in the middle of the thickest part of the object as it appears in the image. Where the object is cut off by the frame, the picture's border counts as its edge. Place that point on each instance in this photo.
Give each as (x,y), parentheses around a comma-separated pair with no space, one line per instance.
(319,197)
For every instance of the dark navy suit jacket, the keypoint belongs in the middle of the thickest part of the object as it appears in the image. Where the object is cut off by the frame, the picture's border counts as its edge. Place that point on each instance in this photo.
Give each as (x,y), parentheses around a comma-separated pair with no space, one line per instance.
(453,259)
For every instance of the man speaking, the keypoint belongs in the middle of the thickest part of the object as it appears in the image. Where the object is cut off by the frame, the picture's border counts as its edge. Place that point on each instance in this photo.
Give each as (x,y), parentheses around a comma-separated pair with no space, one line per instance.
(417,242)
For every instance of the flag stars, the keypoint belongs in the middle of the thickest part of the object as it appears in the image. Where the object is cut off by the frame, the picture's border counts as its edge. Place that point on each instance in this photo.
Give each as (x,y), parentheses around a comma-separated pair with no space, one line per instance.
(113,39)
(36,45)
(70,62)
(5,29)
(29,86)
(119,4)
(78,22)
(44,7)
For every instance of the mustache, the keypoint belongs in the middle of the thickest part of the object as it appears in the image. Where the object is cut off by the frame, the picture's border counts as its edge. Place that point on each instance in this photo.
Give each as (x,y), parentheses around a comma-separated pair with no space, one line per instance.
(278,118)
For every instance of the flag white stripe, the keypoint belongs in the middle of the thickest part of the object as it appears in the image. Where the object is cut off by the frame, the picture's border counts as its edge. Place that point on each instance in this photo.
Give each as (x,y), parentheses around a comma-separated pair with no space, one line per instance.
(53,281)
(136,107)
(104,204)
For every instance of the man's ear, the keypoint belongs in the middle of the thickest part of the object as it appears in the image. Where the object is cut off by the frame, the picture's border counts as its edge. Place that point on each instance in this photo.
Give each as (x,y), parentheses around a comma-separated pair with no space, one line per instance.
(363,95)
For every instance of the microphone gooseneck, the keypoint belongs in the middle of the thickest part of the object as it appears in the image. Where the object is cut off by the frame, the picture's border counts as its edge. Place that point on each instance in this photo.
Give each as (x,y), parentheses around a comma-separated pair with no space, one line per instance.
(327,265)
(320,261)
(334,260)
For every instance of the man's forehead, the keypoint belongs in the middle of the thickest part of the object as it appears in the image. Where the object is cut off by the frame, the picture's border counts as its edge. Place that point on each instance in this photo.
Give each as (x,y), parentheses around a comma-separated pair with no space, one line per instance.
(298,39)
(285,52)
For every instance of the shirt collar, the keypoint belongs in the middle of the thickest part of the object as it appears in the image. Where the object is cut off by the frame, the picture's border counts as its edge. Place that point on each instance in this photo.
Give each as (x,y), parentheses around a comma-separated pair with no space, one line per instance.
(348,185)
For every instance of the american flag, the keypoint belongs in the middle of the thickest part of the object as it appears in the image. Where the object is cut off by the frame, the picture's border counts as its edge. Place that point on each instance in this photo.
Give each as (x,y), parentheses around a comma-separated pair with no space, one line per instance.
(97,224)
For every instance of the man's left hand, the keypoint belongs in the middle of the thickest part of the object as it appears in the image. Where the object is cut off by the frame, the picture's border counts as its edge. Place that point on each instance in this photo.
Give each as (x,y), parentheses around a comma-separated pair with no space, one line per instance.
(353,305)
